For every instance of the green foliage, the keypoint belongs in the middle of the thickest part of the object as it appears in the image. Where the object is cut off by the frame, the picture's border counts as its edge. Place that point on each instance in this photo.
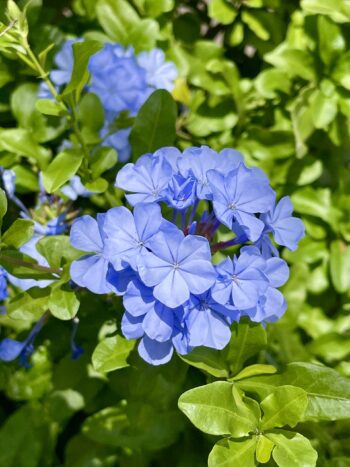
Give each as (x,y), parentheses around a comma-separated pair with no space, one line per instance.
(267,77)
(155,124)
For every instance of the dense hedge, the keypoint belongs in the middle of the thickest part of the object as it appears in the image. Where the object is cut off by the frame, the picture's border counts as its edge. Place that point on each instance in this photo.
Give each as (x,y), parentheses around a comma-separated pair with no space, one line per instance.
(269,78)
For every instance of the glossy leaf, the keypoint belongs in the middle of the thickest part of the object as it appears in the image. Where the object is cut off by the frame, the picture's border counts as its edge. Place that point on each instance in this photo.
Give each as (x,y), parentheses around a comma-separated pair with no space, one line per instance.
(213,409)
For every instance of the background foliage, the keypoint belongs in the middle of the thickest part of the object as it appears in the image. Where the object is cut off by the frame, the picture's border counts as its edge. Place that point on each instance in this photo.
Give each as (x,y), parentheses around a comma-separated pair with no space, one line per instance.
(270,78)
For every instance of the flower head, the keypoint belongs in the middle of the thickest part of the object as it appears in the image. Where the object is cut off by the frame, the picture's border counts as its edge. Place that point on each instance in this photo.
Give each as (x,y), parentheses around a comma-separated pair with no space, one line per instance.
(174,297)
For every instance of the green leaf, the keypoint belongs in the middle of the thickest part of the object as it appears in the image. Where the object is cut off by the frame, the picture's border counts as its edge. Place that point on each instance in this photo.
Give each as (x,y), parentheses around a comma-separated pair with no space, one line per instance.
(21,142)
(253,370)
(112,353)
(286,405)
(229,453)
(264,447)
(143,36)
(57,250)
(3,204)
(63,303)
(222,11)
(338,10)
(256,24)
(135,425)
(208,360)
(117,18)
(20,232)
(29,305)
(24,438)
(62,404)
(154,9)
(90,112)
(82,52)
(155,124)
(24,107)
(294,62)
(50,107)
(271,82)
(213,409)
(331,40)
(103,159)
(292,450)
(23,266)
(341,70)
(324,109)
(340,265)
(328,392)
(247,340)
(61,169)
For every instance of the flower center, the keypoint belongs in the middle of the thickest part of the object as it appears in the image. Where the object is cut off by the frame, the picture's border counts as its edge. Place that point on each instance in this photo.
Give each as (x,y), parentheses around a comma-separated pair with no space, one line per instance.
(234,278)
(176,265)
(232,206)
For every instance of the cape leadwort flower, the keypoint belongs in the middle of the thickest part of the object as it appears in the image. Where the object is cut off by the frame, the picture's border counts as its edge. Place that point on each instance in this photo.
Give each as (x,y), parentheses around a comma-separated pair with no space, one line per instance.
(121,79)
(174,294)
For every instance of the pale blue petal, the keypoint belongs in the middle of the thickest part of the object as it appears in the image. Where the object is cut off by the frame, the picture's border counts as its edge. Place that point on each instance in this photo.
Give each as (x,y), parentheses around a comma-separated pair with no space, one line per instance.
(155,353)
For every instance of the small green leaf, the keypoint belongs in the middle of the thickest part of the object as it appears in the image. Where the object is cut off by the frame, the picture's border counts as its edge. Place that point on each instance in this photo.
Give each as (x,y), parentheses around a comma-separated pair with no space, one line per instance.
(264,448)
(61,169)
(247,340)
(90,112)
(112,353)
(103,159)
(29,305)
(20,232)
(117,18)
(3,204)
(285,406)
(82,52)
(23,266)
(155,124)
(50,107)
(229,453)
(99,185)
(63,303)
(340,265)
(57,250)
(222,11)
(292,450)
(208,360)
(213,409)
(253,370)
(21,142)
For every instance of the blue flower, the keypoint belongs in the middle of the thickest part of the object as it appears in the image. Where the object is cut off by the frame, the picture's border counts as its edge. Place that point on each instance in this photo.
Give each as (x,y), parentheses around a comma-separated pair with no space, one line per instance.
(196,163)
(11,349)
(238,196)
(159,73)
(64,60)
(90,271)
(207,322)
(177,266)
(180,193)
(272,304)
(128,235)
(241,281)
(3,284)
(287,230)
(148,179)
(117,79)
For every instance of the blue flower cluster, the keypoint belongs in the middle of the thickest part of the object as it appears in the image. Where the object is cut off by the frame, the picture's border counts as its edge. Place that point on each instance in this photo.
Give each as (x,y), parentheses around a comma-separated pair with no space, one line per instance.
(121,79)
(174,294)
